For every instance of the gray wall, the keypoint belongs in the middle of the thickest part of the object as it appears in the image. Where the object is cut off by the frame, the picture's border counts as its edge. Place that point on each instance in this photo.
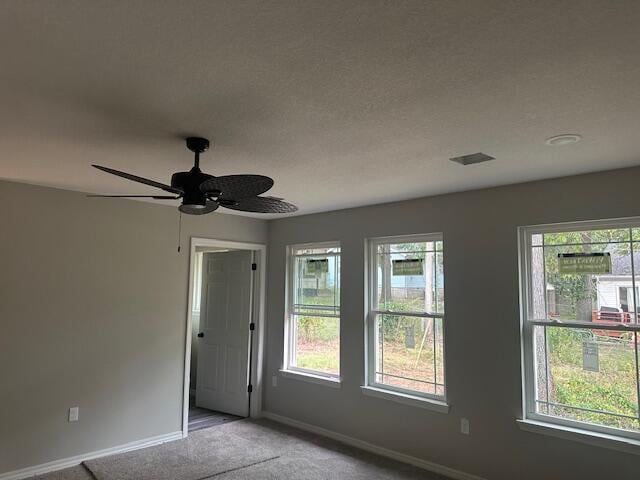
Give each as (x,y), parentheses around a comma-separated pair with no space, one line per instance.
(482,327)
(92,313)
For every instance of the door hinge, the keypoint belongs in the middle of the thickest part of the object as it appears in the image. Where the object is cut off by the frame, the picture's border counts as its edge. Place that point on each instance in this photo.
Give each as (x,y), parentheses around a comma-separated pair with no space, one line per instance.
(254,266)
(250,388)
(252,326)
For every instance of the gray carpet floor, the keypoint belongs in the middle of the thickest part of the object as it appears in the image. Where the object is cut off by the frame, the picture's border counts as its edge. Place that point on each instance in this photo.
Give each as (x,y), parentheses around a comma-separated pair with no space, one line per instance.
(203,454)
(260,450)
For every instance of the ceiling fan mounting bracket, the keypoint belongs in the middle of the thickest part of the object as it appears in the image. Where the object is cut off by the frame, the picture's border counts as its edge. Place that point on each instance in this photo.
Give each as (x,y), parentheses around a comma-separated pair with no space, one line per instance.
(197,144)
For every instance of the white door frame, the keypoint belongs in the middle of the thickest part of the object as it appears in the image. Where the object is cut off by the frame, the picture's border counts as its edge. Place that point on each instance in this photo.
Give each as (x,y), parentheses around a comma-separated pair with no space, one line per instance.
(257,315)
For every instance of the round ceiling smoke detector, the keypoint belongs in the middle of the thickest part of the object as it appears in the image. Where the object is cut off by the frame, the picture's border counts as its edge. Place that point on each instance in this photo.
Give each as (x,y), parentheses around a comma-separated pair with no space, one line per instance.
(562,140)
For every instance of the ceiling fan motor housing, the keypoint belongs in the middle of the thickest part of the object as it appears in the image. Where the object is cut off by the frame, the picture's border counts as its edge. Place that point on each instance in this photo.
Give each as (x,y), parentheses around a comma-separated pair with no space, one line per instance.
(189,182)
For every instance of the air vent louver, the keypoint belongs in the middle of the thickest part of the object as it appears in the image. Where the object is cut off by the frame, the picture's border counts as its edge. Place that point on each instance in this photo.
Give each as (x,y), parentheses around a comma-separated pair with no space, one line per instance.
(472,158)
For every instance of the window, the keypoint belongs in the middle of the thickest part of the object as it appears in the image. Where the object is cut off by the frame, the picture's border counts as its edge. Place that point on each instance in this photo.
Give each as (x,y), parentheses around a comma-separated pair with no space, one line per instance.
(405,334)
(313,310)
(580,329)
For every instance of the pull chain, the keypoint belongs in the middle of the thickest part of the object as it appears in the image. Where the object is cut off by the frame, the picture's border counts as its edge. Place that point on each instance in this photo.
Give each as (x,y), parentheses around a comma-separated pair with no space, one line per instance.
(179,231)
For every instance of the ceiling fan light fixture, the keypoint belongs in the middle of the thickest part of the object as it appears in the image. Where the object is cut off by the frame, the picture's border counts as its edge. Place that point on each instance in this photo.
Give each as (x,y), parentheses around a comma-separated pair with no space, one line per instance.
(197,209)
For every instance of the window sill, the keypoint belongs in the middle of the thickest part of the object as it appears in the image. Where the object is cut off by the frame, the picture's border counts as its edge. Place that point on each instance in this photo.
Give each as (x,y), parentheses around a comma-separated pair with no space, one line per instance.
(411,400)
(604,440)
(333,382)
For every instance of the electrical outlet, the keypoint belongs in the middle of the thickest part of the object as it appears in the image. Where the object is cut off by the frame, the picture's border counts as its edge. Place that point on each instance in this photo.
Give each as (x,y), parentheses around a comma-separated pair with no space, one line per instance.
(274,381)
(74,414)
(464,426)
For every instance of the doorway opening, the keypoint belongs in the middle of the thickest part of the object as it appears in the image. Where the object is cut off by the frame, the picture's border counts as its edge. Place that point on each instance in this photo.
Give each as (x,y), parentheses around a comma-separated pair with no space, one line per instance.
(224,337)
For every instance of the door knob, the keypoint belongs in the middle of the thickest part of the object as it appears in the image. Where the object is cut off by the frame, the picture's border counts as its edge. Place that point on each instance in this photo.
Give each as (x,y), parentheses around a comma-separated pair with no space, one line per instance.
(201,334)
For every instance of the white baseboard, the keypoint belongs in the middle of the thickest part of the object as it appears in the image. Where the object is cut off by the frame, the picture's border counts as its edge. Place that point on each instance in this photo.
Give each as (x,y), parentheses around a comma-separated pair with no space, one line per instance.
(78,459)
(148,442)
(369,447)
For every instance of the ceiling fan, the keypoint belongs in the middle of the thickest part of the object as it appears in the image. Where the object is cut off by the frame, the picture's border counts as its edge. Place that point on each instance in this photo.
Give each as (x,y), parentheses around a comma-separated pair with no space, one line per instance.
(203,193)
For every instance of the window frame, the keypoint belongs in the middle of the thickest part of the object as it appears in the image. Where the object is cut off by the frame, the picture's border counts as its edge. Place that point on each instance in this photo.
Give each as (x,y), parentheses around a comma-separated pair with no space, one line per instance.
(371,278)
(528,324)
(289,353)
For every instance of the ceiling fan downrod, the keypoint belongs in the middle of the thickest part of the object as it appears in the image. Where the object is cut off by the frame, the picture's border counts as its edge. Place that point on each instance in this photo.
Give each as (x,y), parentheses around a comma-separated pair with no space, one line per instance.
(197,145)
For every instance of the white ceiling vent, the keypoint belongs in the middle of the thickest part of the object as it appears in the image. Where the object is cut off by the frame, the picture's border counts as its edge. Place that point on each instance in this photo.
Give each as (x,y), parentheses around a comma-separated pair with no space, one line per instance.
(472,158)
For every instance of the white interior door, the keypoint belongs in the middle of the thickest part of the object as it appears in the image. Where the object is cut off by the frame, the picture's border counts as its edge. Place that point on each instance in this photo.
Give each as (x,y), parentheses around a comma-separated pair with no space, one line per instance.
(223,341)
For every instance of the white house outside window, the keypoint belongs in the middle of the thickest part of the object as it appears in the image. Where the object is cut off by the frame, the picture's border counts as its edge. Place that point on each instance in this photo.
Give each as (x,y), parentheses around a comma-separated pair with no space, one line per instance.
(580,329)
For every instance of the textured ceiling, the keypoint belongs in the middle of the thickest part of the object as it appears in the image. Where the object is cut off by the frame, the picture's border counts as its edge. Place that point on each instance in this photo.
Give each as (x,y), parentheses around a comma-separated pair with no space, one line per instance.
(343,103)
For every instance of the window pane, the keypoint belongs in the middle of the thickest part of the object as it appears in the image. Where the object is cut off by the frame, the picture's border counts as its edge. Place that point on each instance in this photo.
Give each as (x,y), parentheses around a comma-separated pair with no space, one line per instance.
(439,283)
(316,250)
(410,277)
(403,247)
(409,353)
(584,281)
(317,344)
(591,376)
(588,236)
(317,284)
(541,380)
(439,354)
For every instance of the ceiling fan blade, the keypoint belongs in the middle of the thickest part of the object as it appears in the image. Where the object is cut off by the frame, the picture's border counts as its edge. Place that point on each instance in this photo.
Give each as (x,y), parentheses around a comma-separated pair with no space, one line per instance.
(157,197)
(236,187)
(135,178)
(199,209)
(261,205)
